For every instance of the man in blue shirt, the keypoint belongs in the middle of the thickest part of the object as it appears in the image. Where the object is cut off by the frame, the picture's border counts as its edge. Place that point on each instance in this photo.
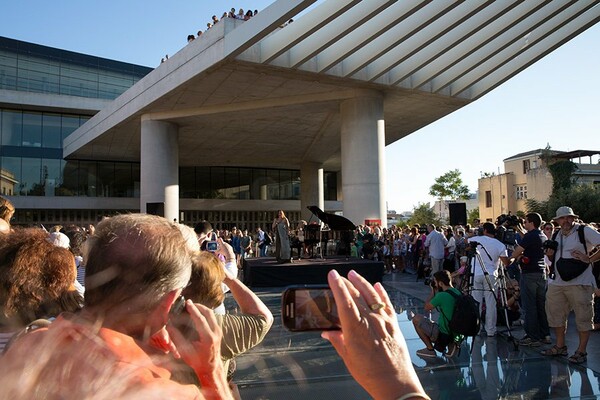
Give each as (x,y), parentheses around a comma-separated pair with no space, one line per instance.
(530,255)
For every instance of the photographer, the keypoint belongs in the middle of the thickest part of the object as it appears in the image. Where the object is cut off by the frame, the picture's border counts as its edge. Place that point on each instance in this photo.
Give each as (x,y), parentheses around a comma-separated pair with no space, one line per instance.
(530,256)
(436,336)
(491,252)
(573,285)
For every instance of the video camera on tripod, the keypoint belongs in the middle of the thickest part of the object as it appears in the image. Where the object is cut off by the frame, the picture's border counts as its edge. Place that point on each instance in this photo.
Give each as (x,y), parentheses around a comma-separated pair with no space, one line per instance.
(506,228)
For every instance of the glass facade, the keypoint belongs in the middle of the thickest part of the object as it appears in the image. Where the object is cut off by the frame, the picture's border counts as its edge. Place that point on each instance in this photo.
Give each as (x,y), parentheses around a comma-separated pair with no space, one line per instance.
(33,68)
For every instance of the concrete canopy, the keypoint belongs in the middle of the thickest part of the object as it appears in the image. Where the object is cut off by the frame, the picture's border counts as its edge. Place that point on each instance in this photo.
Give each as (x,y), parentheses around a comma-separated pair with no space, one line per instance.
(252,93)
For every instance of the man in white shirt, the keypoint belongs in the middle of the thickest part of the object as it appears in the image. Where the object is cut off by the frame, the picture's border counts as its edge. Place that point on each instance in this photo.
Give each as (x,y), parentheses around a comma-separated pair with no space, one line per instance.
(492,252)
(575,292)
(436,242)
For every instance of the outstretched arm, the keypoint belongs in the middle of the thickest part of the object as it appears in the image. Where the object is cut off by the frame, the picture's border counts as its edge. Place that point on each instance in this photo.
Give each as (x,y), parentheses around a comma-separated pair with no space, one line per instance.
(370,342)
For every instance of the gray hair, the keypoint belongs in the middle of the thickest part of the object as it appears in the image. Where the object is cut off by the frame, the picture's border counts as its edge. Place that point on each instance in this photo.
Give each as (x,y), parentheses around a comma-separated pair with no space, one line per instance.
(135,259)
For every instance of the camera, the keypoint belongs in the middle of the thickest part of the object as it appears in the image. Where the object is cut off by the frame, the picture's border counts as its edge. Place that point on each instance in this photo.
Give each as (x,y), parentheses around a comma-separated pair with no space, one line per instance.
(506,235)
(212,246)
(423,229)
(508,220)
(550,245)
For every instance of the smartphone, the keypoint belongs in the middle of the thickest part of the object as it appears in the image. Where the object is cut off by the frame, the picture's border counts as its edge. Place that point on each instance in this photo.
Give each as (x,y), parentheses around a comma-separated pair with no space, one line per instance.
(309,308)
(180,319)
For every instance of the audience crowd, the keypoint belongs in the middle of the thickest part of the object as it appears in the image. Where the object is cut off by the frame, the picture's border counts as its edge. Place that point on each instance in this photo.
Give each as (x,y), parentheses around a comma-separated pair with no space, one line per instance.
(134,307)
(144,324)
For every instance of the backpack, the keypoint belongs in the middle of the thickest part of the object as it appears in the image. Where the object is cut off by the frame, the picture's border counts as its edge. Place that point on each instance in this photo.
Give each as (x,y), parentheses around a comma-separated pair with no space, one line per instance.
(466,320)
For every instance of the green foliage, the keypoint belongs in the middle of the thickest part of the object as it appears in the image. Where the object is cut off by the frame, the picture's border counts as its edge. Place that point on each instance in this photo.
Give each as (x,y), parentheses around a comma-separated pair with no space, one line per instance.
(473,215)
(562,174)
(583,199)
(423,214)
(449,185)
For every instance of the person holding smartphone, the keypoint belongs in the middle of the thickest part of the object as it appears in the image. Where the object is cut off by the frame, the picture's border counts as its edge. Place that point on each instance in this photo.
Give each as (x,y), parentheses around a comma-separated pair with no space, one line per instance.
(370,341)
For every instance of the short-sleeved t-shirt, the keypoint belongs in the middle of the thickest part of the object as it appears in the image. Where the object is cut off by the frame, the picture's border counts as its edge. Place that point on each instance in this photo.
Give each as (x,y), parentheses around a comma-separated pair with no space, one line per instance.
(444,302)
(570,243)
(495,248)
(532,249)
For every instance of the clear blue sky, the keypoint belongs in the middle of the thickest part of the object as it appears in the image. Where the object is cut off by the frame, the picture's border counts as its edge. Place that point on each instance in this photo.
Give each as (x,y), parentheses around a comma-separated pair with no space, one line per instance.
(555,101)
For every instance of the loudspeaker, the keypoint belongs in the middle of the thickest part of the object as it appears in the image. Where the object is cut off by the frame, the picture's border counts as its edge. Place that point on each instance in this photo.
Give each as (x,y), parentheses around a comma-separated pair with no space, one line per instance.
(458,213)
(155,209)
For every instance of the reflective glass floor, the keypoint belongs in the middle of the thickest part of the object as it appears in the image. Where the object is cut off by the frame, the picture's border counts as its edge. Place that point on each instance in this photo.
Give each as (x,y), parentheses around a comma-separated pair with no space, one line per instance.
(304,366)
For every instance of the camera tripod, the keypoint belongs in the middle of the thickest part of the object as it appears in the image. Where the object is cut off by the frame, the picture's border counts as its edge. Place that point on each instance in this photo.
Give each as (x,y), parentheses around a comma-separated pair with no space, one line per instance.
(501,281)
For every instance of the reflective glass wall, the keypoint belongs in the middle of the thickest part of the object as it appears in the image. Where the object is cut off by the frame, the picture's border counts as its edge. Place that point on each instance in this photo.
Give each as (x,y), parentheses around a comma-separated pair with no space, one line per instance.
(33,68)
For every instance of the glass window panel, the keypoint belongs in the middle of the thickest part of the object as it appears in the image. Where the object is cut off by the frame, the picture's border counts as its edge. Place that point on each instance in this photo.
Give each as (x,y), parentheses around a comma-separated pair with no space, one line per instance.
(11,175)
(12,127)
(106,178)
(8,70)
(330,185)
(69,185)
(272,184)
(245,183)
(187,182)
(203,183)
(217,182)
(31,177)
(69,125)
(51,175)
(32,130)
(51,131)
(285,185)
(87,180)
(135,176)
(232,183)
(123,184)
(78,87)
(258,191)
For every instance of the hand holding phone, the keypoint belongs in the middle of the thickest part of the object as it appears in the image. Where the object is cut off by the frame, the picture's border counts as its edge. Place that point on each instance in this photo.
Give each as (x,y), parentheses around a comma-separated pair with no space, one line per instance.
(309,308)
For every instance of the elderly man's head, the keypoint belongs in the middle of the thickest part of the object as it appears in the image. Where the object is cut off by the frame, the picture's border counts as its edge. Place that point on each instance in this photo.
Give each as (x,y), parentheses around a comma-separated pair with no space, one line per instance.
(133,261)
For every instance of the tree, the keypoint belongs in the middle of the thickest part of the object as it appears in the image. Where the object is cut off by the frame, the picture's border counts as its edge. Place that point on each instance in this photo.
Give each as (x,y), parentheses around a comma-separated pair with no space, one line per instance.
(449,186)
(423,214)
(473,215)
(583,199)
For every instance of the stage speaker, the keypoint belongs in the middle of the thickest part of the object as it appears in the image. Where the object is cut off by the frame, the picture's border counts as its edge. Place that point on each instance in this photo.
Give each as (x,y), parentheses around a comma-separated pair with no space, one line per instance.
(458,213)
(155,209)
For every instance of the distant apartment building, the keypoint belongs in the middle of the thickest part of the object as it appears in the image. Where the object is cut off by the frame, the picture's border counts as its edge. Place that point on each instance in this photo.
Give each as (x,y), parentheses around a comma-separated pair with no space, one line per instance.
(527,176)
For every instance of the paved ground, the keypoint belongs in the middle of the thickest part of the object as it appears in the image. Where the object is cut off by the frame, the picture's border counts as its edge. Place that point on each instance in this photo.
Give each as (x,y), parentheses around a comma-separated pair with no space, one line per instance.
(304,366)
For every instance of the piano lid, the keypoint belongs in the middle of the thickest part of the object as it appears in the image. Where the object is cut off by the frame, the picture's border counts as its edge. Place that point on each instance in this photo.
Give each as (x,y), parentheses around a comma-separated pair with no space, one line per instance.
(335,222)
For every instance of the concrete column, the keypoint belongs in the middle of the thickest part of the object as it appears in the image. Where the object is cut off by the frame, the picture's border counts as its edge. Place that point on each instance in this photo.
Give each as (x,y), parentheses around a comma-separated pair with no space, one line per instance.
(363,158)
(312,193)
(159,167)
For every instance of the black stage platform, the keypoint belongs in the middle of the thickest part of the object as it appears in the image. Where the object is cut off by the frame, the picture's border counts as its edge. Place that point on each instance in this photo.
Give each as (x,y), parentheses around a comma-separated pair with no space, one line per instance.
(267,272)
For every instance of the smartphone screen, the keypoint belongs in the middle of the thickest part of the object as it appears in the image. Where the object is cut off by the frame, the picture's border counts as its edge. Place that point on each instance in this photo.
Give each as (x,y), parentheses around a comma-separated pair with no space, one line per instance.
(309,308)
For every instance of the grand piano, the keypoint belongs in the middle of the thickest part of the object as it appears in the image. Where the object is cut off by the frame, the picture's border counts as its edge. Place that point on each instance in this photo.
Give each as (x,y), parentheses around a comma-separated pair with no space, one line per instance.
(319,233)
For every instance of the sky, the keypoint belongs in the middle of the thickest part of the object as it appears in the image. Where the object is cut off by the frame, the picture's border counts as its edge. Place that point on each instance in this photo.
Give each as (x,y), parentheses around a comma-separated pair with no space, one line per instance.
(555,101)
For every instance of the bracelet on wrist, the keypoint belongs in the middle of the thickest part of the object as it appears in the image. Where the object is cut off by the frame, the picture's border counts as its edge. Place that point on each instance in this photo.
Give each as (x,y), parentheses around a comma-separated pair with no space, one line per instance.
(414,395)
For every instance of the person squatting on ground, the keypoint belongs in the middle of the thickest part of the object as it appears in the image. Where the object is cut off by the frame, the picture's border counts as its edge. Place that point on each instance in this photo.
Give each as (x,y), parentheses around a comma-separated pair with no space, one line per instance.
(437,335)
(492,252)
(573,285)
(530,255)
